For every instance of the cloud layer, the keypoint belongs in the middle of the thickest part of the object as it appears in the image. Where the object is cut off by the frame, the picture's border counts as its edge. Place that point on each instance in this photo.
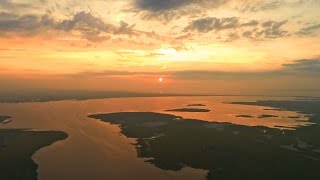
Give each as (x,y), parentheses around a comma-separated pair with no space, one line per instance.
(89,26)
(172,9)
(304,67)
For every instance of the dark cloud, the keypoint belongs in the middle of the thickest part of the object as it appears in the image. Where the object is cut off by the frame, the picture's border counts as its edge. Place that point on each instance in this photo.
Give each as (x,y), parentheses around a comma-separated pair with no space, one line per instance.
(247,34)
(267,30)
(12,23)
(252,29)
(251,23)
(170,9)
(162,5)
(272,29)
(304,67)
(211,23)
(309,29)
(91,27)
(8,4)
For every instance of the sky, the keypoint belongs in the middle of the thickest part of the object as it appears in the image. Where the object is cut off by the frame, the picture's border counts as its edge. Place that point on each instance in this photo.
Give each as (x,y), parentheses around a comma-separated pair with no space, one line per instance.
(195,46)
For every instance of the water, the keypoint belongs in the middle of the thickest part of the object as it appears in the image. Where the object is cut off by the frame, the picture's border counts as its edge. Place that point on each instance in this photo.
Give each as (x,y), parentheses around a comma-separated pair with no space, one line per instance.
(96,150)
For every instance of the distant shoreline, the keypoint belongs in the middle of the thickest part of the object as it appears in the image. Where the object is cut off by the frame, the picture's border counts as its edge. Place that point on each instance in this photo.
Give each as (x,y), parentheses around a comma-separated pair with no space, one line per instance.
(82,96)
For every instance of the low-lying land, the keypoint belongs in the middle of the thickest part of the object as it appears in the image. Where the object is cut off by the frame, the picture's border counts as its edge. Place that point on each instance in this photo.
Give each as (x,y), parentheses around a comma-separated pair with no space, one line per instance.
(3,119)
(195,105)
(16,148)
(189,110)
(226,150)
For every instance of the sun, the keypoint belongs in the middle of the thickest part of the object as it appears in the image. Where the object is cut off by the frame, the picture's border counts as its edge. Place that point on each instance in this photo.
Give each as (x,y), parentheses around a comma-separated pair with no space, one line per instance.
(161,79)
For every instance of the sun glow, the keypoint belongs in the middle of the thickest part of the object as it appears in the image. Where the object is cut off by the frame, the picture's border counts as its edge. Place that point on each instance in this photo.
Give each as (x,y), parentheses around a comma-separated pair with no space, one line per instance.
(161,79)
(167,51)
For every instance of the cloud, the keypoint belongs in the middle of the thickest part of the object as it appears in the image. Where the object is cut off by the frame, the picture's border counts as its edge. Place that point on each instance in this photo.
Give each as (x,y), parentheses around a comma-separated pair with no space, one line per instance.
(268,29)
(171,9)
(95,74)
(261,5)
(309,30)
(8,4)
(91,27)
(211,23)
(272,29)
(12,23)
(251,23)
(304,67)
(162,5)
(269,5)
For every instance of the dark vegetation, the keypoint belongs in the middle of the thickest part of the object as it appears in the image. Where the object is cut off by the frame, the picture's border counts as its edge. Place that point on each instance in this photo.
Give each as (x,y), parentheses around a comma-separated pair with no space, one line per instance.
(189,110)
(16,148)
(226,150)
(3,119)
(195,105)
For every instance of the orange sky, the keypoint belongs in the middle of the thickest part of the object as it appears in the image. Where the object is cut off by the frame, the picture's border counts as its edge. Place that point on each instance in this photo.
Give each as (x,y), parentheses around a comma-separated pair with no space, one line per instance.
(208,46)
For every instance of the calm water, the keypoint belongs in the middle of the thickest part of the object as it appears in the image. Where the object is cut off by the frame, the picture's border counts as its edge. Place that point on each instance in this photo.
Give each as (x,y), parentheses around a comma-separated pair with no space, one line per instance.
(97,150)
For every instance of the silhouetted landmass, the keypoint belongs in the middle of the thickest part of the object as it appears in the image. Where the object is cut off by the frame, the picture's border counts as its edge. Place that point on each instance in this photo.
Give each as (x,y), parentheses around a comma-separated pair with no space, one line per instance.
(49,95)
(17,147)
(303,107)
(3,119)
(306,98)
(245,116)
(266,116)
(43,95)
(226,150)
(189,110)
(195,105)
(273,109)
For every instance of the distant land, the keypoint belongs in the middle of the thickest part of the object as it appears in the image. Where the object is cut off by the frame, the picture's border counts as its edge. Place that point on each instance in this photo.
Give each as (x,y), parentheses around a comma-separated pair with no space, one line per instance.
(189,110)
(58,95)
(46,95)
(196,105)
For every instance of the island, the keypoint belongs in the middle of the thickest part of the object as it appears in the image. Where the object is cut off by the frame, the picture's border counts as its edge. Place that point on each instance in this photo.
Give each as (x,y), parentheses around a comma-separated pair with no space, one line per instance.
(4,119)
(244,116)
(16,149)
(267,116)
(189,110)
(195,105)
(226,150)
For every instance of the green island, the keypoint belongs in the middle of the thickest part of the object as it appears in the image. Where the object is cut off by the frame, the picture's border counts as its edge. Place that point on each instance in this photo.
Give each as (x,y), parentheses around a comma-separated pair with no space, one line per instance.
(16,148)
(227,151)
